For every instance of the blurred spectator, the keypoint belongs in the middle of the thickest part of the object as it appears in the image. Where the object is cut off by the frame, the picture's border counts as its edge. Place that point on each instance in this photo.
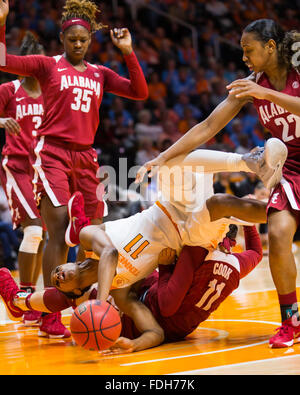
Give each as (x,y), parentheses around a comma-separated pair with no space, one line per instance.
(146,151)
(186,52)
(118,109)
(188,120)
(157,89)
(202,84)
(183,82)
(243,144)
(144,128)
(246,186)
(183,104)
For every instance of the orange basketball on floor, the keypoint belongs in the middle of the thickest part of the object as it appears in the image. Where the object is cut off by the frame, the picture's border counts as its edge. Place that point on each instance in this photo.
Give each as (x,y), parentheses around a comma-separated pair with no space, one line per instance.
(95,325)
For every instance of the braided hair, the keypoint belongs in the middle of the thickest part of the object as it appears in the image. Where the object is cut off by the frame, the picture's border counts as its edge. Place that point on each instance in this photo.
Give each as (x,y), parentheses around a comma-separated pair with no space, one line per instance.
(83,9)
(288,43)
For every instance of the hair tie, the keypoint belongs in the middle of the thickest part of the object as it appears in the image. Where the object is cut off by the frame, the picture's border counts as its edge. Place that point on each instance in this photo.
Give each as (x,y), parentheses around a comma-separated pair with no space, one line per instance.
(76,21)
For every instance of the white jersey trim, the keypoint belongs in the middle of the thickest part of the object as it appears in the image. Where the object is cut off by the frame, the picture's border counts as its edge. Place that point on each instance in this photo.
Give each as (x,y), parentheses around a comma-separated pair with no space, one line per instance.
(289,193)
(11,184)
(224,258)
(39,172)
(57,58)
(17,84)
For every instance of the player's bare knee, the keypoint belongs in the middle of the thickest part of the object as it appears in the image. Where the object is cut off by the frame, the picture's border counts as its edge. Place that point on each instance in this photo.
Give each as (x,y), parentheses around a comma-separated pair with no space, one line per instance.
(32,237)
(280,236)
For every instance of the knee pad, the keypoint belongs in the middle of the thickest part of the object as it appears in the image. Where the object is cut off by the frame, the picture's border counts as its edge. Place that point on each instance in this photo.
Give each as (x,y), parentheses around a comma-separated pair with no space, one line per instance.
(33,235)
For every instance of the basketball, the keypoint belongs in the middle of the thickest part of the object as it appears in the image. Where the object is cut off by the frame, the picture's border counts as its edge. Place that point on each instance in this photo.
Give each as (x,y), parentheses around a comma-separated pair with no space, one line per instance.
(95,325)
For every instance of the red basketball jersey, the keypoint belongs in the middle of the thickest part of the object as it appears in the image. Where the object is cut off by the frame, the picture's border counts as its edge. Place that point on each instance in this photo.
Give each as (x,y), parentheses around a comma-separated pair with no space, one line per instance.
(285,126)
(72,98)
(182,296)
(281,123)
(27,111)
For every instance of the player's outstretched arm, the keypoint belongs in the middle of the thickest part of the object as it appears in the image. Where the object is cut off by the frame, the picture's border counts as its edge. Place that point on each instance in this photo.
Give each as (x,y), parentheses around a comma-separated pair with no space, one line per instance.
(244,88)
(134,88)
(93,238)
(106,271)
(151,333)
(197,135)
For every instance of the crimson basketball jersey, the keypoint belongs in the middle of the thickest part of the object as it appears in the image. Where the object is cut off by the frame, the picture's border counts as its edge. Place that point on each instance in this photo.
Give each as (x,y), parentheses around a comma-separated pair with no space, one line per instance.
(72,98)
(27,111)
(281,123)
(286,127)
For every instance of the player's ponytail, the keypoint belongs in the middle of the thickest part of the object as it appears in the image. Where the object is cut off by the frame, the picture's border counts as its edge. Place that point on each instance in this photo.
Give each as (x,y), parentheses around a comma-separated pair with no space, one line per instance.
(83,9)
(288,43)
(290,50)
(30,45)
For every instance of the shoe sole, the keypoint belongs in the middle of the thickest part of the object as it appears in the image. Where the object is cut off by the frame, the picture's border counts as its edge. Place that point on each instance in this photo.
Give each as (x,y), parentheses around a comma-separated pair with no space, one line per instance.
(67,234)
(47,335)
(273,148)
(285,344)
(10,315)
(31,323)
(282,345)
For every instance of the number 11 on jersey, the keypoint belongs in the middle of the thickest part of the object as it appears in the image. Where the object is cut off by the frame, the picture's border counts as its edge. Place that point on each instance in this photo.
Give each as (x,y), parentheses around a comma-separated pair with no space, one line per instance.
(129,247)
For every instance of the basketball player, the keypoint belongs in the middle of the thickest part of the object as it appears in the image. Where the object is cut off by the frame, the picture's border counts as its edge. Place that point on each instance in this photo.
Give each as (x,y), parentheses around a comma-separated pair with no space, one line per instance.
(21,103)
(183,295)
(184,215)
(64,160)
(274,87)
(180,296)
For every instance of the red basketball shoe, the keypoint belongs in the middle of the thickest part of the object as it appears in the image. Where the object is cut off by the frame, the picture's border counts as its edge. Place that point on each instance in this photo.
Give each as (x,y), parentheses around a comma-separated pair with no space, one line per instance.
(77,219)
(287,335)
(31,317)
(52,327)
(8,291)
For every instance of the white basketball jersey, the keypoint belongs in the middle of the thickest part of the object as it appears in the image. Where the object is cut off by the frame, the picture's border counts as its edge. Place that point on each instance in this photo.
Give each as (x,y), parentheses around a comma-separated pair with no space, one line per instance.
(182,219)
(139,240)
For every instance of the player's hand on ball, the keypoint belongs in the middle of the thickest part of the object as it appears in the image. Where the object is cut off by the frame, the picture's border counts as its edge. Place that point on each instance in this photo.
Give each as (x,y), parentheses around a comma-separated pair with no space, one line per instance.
(166,256)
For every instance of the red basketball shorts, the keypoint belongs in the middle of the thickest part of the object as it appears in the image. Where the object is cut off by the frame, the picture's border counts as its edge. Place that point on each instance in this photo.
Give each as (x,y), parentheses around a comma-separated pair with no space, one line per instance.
(61,171)
(284,197)
(16,179)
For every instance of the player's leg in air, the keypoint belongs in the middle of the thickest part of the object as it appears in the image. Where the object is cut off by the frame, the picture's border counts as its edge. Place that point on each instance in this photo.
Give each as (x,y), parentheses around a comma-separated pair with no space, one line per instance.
(265,161)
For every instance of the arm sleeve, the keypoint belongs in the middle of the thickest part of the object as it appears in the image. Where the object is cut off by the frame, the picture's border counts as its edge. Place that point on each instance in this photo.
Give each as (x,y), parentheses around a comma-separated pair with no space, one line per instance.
(134,88)
(250,258)
(172,287)
(6,92)
(31,65)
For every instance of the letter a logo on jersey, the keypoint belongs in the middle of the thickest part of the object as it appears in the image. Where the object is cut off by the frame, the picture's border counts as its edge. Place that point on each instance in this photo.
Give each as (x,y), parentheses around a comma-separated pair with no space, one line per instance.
(274,198)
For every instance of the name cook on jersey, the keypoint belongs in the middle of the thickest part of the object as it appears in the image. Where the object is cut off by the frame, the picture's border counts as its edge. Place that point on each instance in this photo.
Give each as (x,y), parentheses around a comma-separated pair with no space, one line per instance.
(68,81)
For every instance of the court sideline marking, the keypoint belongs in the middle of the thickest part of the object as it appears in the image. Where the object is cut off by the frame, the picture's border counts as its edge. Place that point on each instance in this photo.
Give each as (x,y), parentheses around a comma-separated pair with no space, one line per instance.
(208,352)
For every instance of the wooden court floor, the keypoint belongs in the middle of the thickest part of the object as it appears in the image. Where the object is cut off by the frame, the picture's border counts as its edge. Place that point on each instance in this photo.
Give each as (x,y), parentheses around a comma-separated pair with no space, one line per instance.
(233,341)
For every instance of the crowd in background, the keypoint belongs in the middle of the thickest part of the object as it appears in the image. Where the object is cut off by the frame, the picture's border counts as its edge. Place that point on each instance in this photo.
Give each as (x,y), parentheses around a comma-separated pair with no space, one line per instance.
(187,77)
